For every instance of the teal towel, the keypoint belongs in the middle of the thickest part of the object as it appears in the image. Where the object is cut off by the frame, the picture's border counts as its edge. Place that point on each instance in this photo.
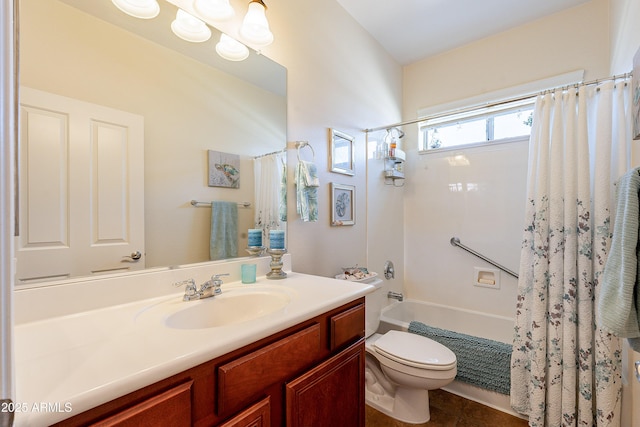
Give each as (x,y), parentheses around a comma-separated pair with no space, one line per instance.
(224,230)
(619,301)
(482,362)
(307,183)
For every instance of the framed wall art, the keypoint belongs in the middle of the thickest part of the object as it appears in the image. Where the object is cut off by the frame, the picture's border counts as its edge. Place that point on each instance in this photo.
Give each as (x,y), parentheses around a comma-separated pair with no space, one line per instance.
(224,169)
(343,202)
(341,152)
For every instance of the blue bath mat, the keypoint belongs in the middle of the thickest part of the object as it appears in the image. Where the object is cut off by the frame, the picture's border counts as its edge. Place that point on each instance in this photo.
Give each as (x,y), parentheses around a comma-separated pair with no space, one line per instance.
(481,362)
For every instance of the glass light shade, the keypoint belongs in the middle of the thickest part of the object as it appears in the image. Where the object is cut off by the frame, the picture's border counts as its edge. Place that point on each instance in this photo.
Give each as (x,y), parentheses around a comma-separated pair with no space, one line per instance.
(190,28)
(255,27)
(231,49)
(143,9)
(216,10)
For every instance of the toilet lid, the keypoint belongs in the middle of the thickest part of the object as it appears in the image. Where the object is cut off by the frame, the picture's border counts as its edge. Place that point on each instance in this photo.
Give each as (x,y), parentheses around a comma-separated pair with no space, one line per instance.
(415,350)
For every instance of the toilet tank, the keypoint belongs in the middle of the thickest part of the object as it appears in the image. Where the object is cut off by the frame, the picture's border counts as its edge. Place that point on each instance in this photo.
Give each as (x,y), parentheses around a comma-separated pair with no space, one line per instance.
(374,303)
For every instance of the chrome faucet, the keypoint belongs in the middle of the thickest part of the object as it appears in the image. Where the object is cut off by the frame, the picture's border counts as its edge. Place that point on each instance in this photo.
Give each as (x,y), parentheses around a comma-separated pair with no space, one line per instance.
(210,288)
(395,295)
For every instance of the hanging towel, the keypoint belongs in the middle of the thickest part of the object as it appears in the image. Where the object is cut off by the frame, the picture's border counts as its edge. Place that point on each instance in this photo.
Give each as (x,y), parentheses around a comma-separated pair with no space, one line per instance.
(224,230)
(619,302)
(307,183)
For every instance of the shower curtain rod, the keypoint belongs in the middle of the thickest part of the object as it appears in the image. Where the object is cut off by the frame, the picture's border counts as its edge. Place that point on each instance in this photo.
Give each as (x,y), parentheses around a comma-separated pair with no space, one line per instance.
(502,102)
(270,154)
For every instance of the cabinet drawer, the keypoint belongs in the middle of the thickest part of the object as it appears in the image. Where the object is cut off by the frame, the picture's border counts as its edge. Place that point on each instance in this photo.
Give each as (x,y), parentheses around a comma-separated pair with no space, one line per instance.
(241,381)
(347,326)
(171,408)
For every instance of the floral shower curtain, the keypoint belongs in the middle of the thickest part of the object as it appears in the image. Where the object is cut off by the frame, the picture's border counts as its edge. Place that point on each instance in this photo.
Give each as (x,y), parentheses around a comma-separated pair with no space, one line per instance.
(565,371)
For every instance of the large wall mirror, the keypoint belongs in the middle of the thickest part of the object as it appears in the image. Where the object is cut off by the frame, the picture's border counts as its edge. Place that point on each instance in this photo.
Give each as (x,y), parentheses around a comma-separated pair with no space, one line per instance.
(184,100)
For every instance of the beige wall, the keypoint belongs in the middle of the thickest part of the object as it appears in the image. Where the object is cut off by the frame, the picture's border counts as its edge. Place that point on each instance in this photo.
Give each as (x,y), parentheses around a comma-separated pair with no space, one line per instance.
(338,77)
(625,34)
(571,40)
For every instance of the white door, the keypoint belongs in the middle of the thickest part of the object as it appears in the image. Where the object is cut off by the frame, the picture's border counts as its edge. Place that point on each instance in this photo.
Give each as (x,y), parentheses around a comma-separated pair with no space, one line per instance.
(81,188)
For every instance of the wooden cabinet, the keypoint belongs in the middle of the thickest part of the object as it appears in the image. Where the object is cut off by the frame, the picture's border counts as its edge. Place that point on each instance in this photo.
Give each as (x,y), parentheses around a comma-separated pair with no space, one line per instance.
(311,374)
(171,409)
(258,415)
(330,394)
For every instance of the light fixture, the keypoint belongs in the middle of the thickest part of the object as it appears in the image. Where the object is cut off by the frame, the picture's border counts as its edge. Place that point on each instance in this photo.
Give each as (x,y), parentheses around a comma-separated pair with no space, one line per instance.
(231,49)
(216,10)
(143,9)
(255,27)
(190,28)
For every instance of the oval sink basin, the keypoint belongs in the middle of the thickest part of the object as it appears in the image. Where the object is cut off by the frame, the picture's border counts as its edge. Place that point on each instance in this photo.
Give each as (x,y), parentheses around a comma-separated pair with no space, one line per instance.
(228,308)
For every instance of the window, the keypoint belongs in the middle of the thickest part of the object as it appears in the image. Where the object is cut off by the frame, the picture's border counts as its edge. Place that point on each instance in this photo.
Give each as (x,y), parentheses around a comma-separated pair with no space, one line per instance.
(478,126)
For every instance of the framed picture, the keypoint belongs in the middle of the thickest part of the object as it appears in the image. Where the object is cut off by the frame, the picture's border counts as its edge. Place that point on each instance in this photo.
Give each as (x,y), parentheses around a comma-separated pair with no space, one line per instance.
(224,169)
(635,81)
(343,202)
(341,152)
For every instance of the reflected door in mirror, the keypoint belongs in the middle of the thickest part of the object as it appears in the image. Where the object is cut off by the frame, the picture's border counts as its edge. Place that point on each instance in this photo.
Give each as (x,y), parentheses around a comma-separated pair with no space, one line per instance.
(81,164)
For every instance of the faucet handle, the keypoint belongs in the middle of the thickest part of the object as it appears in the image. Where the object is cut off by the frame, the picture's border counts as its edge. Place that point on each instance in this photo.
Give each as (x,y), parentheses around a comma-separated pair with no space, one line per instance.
(191,288)
(217,277)
(216,282)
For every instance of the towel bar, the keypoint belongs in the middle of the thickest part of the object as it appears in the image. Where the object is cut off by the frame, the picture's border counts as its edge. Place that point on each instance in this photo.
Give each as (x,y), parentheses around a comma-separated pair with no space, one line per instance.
(240,204)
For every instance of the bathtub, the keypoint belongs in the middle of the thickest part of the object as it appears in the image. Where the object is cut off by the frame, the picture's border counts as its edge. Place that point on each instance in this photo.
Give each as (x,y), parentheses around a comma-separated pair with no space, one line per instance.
(398,315)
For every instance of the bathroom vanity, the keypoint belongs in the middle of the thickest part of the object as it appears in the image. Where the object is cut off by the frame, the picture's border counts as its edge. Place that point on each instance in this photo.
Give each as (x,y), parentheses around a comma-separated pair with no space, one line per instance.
(270,353)
(309,374)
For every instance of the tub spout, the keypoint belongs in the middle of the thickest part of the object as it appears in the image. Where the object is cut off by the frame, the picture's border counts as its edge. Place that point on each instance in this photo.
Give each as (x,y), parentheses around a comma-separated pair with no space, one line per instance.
(395,295)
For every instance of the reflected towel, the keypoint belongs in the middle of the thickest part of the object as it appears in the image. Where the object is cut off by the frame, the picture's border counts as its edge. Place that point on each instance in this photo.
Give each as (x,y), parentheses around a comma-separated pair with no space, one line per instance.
(283,193)
(619,300)
(307,183)
(224,230)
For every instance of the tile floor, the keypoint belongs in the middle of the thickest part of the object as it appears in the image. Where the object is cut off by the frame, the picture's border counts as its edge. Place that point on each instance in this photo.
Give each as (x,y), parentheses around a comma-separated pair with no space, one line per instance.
(449,410)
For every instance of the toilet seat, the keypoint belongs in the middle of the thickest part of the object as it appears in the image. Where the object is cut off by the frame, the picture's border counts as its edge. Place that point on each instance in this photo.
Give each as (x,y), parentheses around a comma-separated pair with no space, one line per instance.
(415,350)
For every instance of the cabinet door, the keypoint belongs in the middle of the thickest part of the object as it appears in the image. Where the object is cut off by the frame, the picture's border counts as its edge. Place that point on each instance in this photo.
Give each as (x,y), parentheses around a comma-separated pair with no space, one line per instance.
(171,409)
(258,415)
(331,394)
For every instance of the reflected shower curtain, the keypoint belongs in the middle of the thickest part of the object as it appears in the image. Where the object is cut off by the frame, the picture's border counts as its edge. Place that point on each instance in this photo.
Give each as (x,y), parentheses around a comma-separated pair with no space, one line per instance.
(270,192)
(564,370)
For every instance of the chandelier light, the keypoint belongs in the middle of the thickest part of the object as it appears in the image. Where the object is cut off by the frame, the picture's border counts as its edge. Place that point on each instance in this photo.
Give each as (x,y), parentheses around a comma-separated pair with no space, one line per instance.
(215,10)
(143,9)
(190,28)
(231,49)
(255,27)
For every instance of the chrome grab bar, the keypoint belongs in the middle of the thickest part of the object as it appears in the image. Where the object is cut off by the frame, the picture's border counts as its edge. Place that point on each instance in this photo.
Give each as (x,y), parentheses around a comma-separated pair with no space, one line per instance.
(456,242)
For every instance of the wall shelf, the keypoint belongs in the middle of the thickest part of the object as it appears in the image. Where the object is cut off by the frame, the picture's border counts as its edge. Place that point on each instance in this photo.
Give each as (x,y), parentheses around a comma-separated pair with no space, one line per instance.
(394,167)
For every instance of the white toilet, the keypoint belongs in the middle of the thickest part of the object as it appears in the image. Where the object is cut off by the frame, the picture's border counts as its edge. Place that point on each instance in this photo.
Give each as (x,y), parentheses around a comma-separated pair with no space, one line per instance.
(401,367)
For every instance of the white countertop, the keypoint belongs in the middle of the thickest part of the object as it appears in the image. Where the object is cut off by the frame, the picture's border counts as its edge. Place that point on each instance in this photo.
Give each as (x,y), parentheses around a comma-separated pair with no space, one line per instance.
(68,364)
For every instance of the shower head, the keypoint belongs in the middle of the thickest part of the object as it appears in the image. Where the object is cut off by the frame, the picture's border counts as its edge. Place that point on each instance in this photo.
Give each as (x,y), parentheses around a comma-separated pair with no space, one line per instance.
(399,133)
